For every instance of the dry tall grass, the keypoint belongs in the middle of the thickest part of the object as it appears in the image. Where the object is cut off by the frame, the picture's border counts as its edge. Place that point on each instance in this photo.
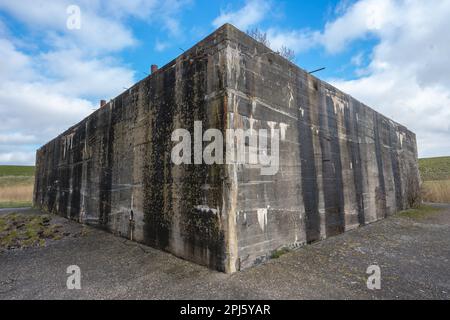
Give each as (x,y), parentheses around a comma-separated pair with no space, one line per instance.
(436,191)
(16,190)
(16,193)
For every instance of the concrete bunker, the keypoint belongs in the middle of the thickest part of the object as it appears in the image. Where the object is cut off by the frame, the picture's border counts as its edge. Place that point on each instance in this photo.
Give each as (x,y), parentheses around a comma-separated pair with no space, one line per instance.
(341,164)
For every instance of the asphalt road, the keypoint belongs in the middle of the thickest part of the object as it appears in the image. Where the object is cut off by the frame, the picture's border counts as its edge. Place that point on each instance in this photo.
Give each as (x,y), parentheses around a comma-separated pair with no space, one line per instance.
(413,255)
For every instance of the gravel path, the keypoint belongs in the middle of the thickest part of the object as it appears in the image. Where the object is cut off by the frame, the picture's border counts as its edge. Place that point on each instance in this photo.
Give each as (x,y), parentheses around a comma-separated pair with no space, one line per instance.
(413,255)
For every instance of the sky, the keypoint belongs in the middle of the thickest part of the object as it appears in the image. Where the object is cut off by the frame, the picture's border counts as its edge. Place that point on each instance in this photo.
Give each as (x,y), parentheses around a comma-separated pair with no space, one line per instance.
(393,55)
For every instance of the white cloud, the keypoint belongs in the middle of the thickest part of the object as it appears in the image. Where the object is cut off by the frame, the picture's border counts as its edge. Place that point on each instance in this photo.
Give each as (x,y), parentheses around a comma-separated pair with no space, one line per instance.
(163,12)
(49,84)
(44,92)
(251,14)
(40,95)
(103,23)
(407,78)
(137,8)
(71,73)
(34,105)
(17,158)
(15,65)
(161,45)
(357,59)
(51,16)
(359,20)
(255,12)
(297,40)
(17,138)
(36,110)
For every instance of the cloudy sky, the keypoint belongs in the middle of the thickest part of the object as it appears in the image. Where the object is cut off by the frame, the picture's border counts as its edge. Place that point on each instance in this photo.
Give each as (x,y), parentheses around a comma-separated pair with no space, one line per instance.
(392,55)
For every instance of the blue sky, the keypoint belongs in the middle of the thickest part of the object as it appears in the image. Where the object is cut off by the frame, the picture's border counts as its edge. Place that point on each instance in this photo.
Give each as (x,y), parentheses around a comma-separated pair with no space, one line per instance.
(390,54)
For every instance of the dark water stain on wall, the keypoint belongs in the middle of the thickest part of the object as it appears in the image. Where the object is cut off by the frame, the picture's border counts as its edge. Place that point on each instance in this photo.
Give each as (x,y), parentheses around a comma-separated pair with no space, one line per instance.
(380,191)
(351,119)
(394,144)
(157,176)
(309,174)
(332,171)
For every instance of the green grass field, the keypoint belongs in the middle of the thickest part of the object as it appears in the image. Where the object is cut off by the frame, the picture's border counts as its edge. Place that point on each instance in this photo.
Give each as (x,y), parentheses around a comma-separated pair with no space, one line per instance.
(433,169)
(16,186)
(16,171)
(435,173)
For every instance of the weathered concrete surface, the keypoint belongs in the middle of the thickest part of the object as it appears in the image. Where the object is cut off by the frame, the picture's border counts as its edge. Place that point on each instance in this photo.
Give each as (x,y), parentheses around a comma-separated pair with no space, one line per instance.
(117,161)
(413,255)
(342,164)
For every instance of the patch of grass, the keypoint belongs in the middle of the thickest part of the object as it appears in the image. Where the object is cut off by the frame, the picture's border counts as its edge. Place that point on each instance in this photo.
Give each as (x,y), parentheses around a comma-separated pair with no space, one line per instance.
(21,231)
(432,169)
(15,191)
(435,173)
(16,194)
(278,253)
(15,204)
(419,213)
(9,181)
(17,171)
(436,191)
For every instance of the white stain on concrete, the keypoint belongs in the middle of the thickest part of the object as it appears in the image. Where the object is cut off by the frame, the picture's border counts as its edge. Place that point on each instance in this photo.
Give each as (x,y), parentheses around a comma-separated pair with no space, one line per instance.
(283,128)
(251,122)
(401,138)
(302,111)
(262,218)
(206,209)
(234,59)
(338,104)
(272,125)
(291,96)
(253,105)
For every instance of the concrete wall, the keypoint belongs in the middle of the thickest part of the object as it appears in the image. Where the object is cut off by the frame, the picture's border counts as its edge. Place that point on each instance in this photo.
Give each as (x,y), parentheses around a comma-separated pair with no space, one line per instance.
(117,160)
(342,164)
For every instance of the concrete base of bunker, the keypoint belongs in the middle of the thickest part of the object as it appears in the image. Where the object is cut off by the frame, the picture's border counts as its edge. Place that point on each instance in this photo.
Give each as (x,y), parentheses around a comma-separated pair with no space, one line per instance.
(341,164)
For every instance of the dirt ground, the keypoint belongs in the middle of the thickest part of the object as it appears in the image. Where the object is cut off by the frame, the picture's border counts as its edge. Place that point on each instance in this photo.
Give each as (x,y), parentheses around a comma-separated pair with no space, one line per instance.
(412,251)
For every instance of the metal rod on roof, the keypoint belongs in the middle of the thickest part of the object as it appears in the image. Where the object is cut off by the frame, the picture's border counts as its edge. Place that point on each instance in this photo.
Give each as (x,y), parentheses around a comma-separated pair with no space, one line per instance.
(317,70)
